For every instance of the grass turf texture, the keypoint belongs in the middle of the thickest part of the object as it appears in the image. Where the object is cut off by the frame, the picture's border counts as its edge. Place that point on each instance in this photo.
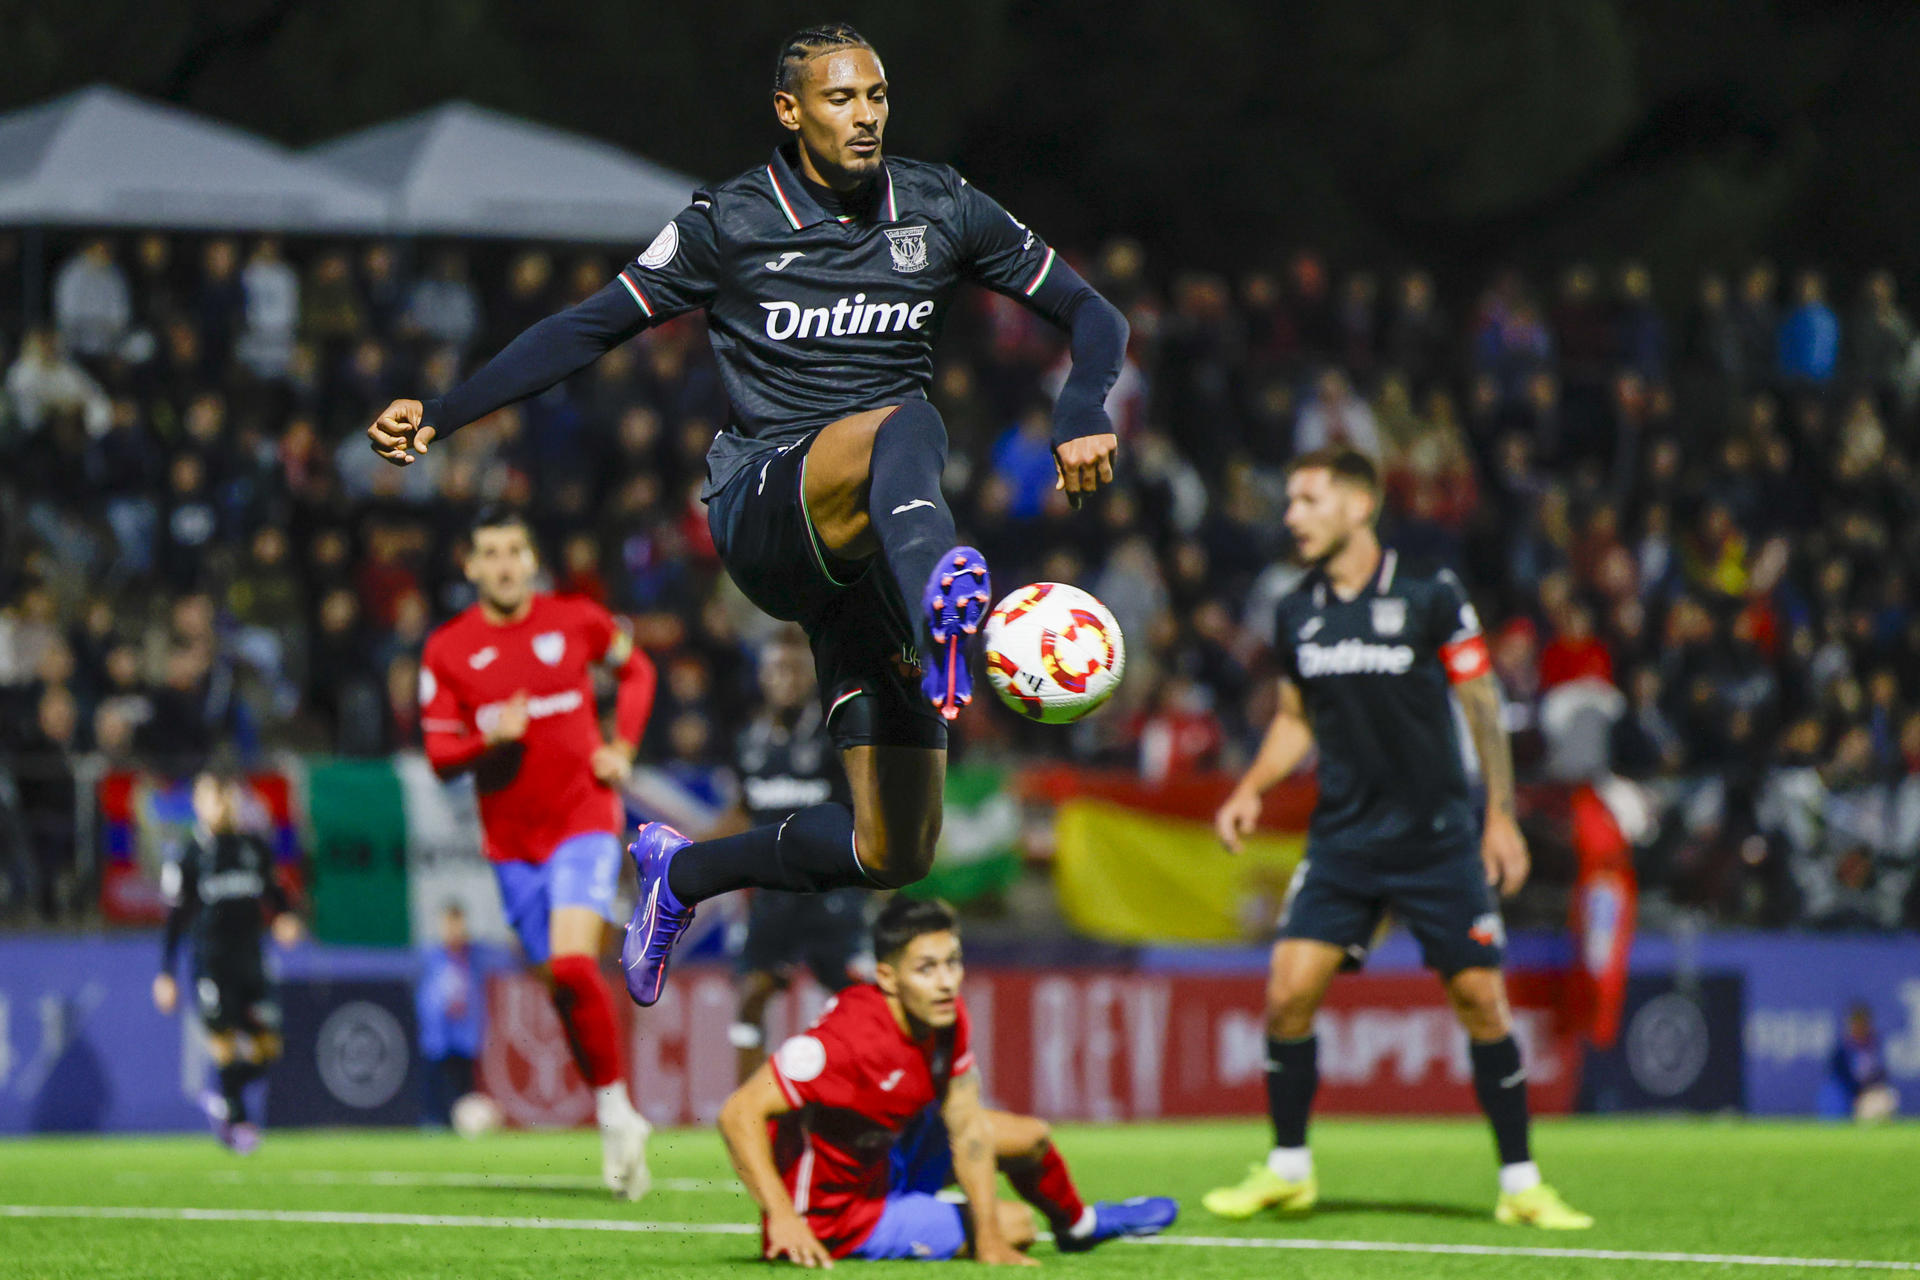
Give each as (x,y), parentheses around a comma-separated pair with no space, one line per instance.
(1666,1186)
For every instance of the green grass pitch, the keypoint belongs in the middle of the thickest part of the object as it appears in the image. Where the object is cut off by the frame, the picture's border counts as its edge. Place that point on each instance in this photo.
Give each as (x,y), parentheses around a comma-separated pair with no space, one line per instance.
(326,1205)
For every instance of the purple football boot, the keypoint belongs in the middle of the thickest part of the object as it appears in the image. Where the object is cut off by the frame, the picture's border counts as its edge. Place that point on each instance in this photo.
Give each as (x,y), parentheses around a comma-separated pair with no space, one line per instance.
(1112,1219)
(957,599)
(659,918)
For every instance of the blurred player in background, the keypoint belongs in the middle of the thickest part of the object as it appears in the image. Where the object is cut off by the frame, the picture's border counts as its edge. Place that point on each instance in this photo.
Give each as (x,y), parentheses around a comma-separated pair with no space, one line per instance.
(1368,649)
(785,761)
(846,1137)
(825,274)
(506,690)
(222,890)
(451,1005)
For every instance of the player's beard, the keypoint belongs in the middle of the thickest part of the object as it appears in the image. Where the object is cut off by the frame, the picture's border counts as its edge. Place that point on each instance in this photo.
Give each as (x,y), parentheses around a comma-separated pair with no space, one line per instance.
(1338,544)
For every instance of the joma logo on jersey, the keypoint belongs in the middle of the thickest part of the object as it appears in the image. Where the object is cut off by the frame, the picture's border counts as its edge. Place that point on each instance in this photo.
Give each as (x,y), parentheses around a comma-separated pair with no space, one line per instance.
(1354,658)
(790,321)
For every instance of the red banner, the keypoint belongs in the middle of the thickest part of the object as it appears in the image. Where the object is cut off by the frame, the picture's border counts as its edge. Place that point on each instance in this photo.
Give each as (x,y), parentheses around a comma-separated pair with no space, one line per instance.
(1066,1045)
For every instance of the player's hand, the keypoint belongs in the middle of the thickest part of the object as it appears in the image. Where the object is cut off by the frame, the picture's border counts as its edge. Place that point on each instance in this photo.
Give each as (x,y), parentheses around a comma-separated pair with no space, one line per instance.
(789,1237)
(998,1253)
(1237,819)
(612,763)
(166,992)
(510,725)
(1504,850)
(287,929)
(1085,464)
(398,435)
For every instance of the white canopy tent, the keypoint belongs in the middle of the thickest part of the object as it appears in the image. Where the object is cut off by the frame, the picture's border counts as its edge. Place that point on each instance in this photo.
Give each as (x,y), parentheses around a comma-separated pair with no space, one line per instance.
(462,170)
(99,157)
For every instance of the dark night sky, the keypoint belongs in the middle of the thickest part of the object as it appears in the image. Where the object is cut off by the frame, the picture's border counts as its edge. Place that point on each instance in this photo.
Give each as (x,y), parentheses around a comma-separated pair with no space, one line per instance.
(1459,135)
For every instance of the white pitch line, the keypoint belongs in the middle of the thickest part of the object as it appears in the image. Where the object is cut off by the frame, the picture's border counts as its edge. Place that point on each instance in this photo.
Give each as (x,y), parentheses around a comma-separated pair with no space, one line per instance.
(399,1178)
(330,1218)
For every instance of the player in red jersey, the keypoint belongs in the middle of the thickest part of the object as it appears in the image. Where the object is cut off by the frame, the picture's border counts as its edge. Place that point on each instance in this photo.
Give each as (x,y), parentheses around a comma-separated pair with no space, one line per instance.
(506,691)
(846,1136)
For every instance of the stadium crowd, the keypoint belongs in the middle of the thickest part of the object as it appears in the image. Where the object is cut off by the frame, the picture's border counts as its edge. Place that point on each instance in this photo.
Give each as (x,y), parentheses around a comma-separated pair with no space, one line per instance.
(1691,529)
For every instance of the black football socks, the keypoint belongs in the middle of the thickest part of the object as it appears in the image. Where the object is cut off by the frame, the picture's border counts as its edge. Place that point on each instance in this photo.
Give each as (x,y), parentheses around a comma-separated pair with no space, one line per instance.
(811,852)
(909,512)
(1500,1081)
(1293,1074)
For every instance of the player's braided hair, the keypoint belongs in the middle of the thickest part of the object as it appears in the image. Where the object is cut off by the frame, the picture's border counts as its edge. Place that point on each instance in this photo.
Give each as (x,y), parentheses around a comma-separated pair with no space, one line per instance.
(809,42)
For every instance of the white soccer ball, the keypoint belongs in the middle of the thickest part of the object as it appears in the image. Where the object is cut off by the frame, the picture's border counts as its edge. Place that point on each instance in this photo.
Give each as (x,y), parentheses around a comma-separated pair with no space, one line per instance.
(1054,653)
(475,1115)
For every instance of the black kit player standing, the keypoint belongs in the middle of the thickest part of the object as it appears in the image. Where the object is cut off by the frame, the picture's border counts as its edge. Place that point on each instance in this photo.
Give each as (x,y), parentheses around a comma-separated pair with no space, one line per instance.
(222,891)
(784,762)
(825,274)
(1368,649)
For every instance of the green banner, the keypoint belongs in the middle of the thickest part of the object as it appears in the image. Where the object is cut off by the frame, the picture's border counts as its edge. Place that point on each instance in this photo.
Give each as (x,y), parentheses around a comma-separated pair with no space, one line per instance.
(979,838)
(358,862)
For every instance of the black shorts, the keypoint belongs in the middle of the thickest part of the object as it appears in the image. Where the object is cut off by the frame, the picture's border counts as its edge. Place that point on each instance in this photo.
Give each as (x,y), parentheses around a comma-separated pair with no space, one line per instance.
(1340,897)
(234,994)
(827,932)
(863,645)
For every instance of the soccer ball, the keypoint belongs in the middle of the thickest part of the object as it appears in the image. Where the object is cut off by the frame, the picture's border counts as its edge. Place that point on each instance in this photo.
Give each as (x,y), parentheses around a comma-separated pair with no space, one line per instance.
(475,1115)
(1054,653)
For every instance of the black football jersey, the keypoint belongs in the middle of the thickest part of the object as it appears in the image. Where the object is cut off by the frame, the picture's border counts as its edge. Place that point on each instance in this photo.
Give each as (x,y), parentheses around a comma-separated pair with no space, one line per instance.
(221,888)
(783,770)
(815,315)
(1372,674)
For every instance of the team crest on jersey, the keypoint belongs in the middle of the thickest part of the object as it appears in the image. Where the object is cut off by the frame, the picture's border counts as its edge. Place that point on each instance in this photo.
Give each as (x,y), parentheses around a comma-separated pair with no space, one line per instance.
(909,248)
(429,687)
(550,647)
(661,251)
(1389,617)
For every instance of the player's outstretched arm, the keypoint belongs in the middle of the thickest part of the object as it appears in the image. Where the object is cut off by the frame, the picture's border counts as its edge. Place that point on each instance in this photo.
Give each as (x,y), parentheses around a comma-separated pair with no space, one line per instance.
(1002,253)
(975,1170)
(743,1125)
(1502,846)
(547,352)
(1287,741)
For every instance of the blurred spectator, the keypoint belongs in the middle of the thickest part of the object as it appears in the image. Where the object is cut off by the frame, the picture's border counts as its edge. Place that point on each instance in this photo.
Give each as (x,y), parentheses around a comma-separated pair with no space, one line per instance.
(1335,416)
(443,306)
(42,382)
(220,307)
(450,999)
(92,306)
(1023,458)
(43,776)
(1856,1086)
(1809,335)
(272,289)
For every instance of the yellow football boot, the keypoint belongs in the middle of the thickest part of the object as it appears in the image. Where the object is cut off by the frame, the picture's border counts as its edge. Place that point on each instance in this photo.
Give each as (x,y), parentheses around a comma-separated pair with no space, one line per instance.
(1540,1207)
(1262,1188)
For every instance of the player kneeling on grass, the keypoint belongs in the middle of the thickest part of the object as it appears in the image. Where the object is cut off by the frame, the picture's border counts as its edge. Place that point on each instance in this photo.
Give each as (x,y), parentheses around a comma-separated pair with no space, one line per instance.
(846,1135)
(221,887)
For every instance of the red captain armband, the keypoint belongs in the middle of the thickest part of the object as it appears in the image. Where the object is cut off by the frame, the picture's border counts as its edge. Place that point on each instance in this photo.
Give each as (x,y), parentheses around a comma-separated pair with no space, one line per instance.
(1467,659)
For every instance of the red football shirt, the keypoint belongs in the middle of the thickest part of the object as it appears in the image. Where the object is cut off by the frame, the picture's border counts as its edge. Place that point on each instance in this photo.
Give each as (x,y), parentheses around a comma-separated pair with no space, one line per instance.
(855,1079)
(471,667)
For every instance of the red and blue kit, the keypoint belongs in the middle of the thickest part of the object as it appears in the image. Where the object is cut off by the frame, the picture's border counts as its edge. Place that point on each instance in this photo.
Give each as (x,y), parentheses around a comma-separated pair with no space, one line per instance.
(856,1081)
(473,668)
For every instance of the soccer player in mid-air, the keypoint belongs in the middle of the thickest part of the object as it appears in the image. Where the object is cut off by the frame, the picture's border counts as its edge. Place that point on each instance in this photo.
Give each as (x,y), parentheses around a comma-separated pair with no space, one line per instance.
(506,692)
(1368,648)
(825,274)
(221,888)
(846,1136)
(784,762)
